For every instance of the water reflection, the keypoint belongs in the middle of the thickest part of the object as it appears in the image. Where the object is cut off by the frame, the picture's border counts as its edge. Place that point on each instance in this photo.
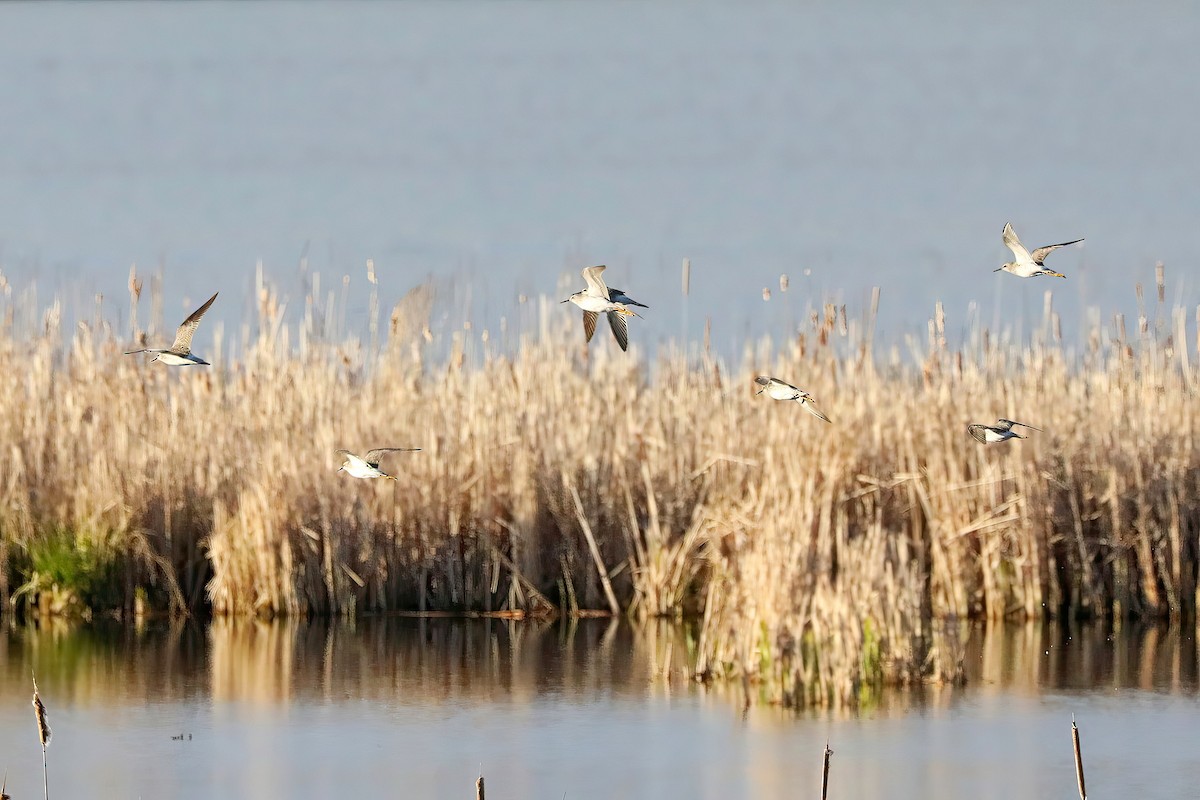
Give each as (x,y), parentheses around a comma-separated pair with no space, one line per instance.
(406,660)
(1073,657)
(429,660)
(358,708)
(395,659)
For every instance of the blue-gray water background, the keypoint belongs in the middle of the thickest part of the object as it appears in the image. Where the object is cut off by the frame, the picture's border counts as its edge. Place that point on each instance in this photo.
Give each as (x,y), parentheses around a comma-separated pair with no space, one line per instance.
(498,146)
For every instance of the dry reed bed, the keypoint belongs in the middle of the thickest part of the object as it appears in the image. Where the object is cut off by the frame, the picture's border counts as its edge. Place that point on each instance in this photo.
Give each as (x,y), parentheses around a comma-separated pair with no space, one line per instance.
(817,557)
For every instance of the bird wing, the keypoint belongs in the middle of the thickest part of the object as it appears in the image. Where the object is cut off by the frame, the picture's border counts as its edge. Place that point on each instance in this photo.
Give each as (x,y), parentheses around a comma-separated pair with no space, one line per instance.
(808,403)
(1040,254)
(595,281)
(183,337)
(1013,243)
(351,457)
(978,431)
(620,329)
(619,296)
(373,456)
(589,325)
(1023,425)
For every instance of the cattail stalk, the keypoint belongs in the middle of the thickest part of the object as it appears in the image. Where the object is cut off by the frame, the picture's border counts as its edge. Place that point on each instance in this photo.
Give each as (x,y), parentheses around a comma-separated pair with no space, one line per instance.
(1078,760)
(825,773)
(44,734)
(479,788)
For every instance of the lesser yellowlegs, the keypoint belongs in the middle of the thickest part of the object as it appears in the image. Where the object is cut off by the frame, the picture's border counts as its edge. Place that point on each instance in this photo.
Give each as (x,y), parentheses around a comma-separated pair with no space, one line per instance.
(368,465)
(1002,430)
(598,299)
(180,353)
(1029,264)
(780,390)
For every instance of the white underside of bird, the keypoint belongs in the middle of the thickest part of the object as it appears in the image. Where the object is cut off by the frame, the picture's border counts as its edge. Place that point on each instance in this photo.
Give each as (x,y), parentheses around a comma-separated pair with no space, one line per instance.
(360,469)
(594,304)
(176,360)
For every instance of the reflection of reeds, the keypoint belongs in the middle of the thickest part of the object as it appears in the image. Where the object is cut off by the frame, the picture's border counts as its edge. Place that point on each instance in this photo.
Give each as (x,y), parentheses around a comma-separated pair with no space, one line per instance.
(818,559)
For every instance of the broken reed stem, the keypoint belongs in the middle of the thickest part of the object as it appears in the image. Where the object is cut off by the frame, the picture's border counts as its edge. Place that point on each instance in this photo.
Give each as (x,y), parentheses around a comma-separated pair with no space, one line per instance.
(1078,759)
(605,583)
(44,734)
(825,773)
(479,788)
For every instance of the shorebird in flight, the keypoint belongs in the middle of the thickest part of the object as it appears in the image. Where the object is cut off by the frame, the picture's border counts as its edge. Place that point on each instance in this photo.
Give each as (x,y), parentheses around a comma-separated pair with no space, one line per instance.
(779,390)
(368,466)
(180,353)
(1002,430)
(598,299)
(1029,264)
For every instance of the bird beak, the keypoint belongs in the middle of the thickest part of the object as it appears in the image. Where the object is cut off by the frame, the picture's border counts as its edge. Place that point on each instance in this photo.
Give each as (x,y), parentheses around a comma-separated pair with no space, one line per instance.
(997,269)
(564,301)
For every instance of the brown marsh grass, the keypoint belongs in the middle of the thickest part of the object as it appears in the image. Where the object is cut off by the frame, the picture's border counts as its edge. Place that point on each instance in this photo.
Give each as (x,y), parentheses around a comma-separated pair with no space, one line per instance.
(820,561)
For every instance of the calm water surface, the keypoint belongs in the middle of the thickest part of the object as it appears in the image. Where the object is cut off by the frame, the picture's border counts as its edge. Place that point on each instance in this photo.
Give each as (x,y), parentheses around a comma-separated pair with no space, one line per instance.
(417,708)
(497,146)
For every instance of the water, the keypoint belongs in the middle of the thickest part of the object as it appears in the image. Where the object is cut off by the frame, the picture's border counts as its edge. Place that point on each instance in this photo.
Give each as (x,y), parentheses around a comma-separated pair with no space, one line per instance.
(387,708)
(499,146)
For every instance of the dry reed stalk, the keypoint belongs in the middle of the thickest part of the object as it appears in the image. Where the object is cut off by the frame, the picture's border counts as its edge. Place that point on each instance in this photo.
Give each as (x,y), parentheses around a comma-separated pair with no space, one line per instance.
(825,772)
(479,788)
(44,734)
(1078,759)
(601,570)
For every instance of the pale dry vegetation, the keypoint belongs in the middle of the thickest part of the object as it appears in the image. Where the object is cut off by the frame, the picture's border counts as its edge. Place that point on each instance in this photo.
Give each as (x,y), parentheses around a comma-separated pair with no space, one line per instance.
(820,561)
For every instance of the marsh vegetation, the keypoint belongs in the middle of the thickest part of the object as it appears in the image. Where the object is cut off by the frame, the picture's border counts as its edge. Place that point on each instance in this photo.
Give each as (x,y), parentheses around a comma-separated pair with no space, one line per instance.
(816,561)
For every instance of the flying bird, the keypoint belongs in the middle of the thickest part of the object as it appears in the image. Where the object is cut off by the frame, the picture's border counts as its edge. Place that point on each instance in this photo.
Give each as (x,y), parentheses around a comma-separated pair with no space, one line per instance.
(180,353)
(598,299)
(368,466)
(1002,430)
(779,390)
(1029,264)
